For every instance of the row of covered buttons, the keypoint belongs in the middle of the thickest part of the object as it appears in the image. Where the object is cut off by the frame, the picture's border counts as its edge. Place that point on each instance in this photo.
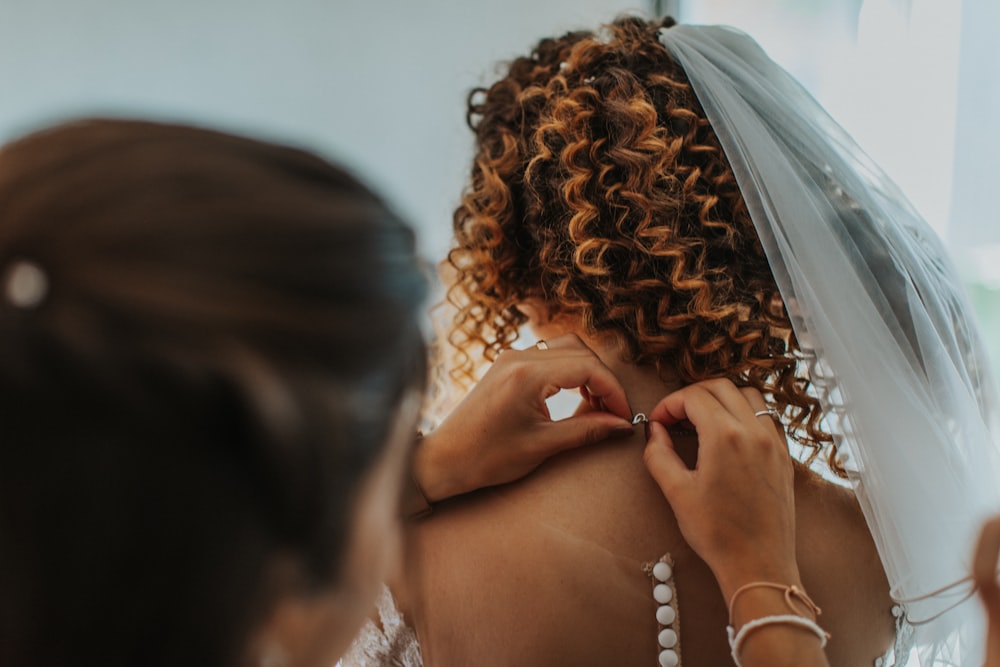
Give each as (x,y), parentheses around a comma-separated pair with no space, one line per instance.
(666,615)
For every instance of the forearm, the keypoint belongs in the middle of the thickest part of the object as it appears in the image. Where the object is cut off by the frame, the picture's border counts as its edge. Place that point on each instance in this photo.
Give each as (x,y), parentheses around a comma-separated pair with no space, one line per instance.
(431,478)
(427,482)
(441,467)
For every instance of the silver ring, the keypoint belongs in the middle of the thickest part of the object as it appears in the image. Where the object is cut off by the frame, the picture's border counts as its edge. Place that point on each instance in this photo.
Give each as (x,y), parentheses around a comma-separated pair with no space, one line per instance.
(773,414)
(640,418)
(542,345)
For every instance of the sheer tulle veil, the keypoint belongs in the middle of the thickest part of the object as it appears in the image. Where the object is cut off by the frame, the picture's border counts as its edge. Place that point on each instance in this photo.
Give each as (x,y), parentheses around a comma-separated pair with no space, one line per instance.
(886,330)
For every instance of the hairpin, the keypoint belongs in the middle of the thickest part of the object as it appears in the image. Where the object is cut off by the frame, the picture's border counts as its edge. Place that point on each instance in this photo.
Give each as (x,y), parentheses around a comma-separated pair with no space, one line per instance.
(25,284)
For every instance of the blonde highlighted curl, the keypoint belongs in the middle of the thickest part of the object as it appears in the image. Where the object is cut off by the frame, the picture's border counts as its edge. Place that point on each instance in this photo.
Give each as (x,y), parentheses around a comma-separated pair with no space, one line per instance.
(599,186)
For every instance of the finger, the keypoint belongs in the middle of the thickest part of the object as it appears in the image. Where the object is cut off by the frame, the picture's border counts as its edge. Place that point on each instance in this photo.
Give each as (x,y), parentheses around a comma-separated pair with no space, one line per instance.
(733,399)
(573,343)
(758,404)
(582,430)
(595,404)
(663,463)
(692,403)
(984,564)
(754,398)
(580,368)
(570,372)
(744,404)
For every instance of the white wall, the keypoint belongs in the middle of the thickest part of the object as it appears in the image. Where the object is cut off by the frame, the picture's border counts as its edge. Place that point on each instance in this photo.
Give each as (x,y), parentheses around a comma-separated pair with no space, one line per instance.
(380,85)
(887,70)
(977,139)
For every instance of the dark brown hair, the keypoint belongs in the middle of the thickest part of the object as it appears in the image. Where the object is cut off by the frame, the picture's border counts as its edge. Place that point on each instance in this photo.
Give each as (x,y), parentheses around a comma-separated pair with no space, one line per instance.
(227,328)
(599,186)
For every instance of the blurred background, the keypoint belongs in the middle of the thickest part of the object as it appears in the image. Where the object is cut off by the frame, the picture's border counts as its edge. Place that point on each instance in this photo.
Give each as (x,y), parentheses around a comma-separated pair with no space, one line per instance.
(381,85)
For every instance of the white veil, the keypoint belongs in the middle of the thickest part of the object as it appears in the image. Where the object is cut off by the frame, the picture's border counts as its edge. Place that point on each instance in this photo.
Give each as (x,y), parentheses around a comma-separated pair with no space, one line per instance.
(880,312)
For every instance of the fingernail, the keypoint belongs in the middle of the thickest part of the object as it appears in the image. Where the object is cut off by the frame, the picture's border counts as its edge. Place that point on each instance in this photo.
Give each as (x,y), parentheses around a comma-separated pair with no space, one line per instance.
(621,432)
(647,429)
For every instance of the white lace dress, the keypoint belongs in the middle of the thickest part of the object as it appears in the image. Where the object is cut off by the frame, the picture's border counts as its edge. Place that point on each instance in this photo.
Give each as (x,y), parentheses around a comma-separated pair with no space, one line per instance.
(392,645)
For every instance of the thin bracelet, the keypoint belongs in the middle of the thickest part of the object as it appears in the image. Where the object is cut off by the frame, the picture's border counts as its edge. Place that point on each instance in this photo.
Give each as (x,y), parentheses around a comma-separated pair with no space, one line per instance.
(791,592)
(736,639)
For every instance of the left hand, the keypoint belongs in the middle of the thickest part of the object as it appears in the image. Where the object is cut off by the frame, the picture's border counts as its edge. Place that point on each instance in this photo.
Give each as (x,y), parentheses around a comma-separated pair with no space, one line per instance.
(501,431)
(736,509)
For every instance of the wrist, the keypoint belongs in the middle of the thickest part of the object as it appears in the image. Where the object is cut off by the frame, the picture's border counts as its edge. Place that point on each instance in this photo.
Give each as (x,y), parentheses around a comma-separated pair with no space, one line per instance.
(755,608)
(415,504)
(733,576)
(431,470)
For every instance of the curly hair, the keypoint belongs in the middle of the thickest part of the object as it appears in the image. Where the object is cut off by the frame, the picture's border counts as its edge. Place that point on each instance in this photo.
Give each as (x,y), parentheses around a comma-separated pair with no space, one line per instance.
(599,186)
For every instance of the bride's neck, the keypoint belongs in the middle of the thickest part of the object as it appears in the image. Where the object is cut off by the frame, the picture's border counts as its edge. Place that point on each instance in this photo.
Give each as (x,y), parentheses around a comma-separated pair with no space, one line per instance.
(643,385)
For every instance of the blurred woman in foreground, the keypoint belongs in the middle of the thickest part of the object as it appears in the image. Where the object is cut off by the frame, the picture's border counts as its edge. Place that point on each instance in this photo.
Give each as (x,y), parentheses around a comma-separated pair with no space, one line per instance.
(210,374)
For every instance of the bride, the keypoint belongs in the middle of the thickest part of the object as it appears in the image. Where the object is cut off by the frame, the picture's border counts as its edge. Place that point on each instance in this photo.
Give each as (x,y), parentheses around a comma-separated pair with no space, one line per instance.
(674,199)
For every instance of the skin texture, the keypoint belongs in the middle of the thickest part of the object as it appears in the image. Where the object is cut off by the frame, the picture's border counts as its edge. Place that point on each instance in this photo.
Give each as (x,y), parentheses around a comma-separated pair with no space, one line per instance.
(498,576)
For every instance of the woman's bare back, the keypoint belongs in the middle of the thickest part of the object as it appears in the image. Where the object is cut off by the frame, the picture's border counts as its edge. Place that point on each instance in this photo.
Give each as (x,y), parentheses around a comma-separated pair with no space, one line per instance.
(549,571)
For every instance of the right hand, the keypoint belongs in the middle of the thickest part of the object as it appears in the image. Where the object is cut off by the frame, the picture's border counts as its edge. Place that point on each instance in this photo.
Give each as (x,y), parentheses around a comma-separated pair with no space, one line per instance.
(502,430)
(736,509)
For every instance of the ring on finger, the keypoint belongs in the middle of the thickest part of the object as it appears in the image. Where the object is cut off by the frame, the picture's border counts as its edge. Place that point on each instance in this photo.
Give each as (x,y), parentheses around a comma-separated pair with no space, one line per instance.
(773,414)
(542,345)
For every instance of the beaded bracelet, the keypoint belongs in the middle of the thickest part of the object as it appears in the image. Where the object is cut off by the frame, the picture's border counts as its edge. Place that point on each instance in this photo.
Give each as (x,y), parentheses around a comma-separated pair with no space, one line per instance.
(736,639)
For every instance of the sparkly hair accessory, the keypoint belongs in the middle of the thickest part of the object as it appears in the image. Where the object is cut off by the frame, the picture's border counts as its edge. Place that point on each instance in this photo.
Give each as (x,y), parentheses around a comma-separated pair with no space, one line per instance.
(25,284)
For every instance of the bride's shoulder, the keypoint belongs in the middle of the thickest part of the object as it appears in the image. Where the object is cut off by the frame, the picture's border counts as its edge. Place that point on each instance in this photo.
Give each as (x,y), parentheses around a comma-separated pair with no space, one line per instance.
(826,509)
(829,491)
(840,564)
(832,524)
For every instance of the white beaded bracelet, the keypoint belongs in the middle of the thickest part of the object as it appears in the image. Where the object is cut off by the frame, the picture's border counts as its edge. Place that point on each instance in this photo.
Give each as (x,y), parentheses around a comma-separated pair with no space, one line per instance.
(736,639)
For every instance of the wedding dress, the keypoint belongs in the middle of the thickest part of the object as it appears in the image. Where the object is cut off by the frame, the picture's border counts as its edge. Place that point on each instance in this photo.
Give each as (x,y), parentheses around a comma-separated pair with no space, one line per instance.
(889,338)
(389,642)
